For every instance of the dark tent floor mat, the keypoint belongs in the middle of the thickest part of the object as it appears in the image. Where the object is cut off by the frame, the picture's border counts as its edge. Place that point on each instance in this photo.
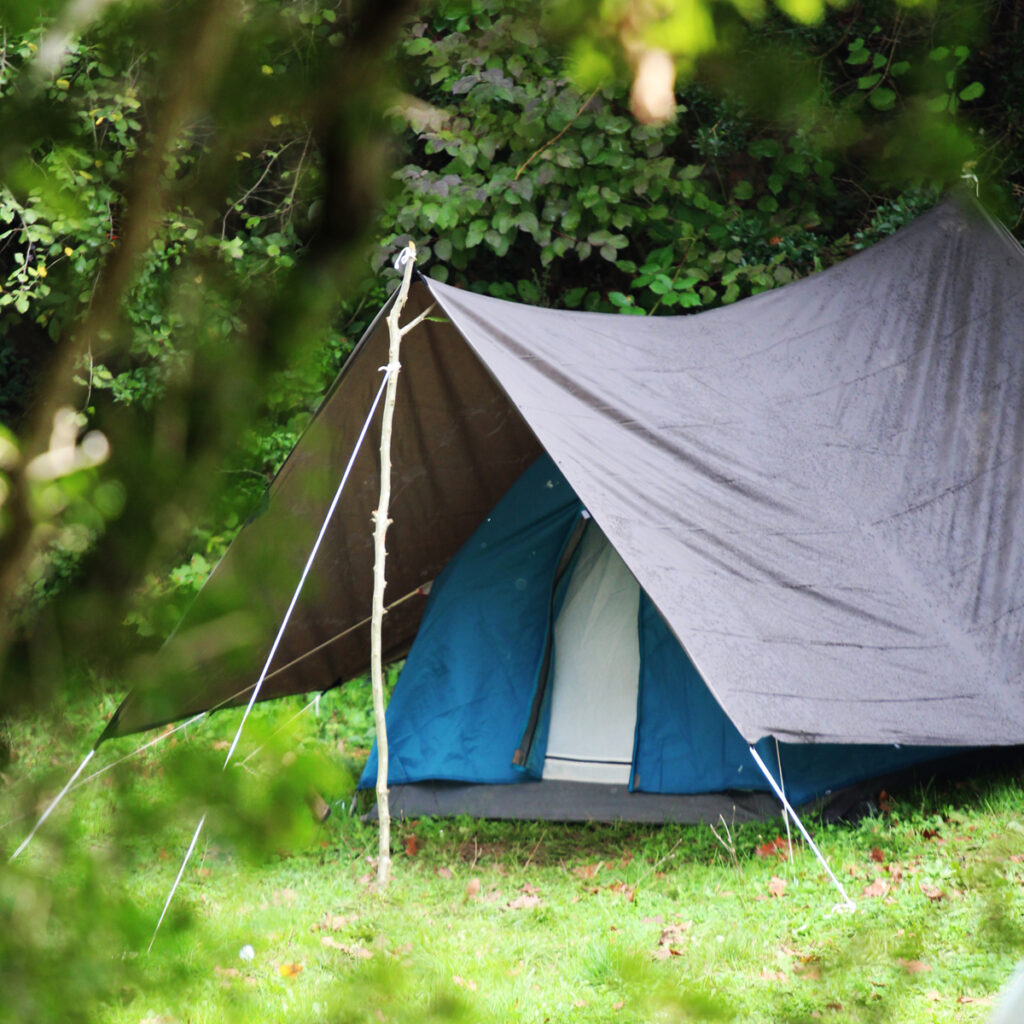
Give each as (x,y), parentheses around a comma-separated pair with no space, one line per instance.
(554,800)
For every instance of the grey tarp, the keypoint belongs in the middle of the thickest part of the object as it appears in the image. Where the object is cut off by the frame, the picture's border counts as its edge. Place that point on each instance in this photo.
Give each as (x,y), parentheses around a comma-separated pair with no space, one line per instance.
(820,488)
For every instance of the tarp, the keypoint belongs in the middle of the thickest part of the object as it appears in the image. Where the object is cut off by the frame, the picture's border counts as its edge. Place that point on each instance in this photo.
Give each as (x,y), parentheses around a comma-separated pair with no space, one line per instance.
(818,489)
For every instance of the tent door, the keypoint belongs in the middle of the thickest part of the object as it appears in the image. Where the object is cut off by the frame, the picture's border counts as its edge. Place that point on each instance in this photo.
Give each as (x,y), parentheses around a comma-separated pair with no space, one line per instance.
(596,669)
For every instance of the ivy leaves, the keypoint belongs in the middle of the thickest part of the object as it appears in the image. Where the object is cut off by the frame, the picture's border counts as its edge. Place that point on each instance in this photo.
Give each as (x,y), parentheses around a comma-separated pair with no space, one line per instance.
(583,206)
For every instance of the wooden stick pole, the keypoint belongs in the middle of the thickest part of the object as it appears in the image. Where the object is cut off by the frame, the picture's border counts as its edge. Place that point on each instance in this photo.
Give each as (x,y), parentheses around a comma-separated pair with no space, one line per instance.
(380,529)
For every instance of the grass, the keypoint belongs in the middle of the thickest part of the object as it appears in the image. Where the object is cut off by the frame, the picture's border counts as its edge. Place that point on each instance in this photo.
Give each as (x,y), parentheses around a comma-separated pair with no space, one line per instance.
(484,921)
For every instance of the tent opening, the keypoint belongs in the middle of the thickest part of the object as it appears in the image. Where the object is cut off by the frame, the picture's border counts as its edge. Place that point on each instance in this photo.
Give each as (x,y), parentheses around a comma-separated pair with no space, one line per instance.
(596,673)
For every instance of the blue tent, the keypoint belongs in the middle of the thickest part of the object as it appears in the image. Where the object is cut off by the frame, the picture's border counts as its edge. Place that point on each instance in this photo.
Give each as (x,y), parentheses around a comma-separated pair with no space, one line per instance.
(474,702)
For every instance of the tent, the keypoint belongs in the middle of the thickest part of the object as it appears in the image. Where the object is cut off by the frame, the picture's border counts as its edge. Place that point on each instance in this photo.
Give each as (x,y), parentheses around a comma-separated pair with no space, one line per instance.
(656,548)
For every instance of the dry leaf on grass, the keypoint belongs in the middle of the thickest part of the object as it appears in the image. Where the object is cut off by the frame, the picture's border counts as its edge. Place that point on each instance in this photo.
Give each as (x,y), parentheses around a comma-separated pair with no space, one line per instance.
(289,970)
(464,982)
(809,972)
(777,886)
(670,940)
(629,891)
(777,847)
(877,856)
(933,892)
(333,923)
(588,870)
(443,872)
(357,952)
(412,845)
(524,901)
(472,888)
(879,887)
(767,975)
(913,966)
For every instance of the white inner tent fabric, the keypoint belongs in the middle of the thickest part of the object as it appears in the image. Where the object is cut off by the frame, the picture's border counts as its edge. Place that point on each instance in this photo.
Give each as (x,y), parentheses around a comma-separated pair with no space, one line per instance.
(596,669)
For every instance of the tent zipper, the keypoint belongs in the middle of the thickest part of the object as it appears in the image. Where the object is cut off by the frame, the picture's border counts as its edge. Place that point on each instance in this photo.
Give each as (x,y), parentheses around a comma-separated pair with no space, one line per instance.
(522,754)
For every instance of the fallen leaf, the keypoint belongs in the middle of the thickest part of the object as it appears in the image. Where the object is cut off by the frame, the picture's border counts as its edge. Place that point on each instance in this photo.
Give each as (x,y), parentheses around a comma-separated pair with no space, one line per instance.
(443,873)
(810,972)
(356,951)
(220,744)
(895,870)
(290,970)
(524,901)
(777,847)
(777,886)
(464,982)
(975,1000)
(531,889)
(588,870)
(933,996)
(932,892)
(619,1005)
(877,855)
(674,932)
(767,975)
(879,887)
(629,891)
(579,1003)
(284,897)
(412,845)
(472,888)
(332,923)
(671,935)
(913,966)
(226,973)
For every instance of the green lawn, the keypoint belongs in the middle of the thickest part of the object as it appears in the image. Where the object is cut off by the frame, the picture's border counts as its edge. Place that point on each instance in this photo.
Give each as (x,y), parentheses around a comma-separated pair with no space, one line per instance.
(483,921)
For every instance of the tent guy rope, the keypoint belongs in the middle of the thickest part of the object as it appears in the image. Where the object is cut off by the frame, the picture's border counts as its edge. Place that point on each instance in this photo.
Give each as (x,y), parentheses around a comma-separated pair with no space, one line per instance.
(53,804)
(847,903)
(284,625)
(309,564)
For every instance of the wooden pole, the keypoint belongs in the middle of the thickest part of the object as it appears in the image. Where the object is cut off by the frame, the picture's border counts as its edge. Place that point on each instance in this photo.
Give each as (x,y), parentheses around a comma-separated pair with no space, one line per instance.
(380,529)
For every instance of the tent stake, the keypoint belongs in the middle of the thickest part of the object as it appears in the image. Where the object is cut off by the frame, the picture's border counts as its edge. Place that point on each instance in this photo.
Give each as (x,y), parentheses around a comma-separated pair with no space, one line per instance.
(847,904)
